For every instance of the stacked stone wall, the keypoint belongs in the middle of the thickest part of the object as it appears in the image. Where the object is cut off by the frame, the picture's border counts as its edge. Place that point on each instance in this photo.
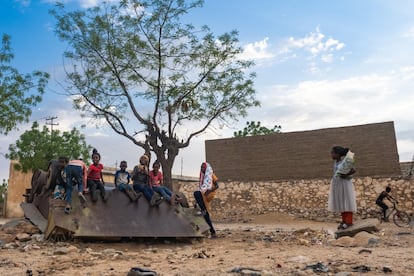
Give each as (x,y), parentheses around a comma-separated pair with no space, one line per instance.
(303,198)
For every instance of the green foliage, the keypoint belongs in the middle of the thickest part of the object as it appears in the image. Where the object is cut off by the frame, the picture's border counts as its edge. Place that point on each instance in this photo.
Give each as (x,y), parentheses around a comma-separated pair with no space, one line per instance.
(37,146)
(137,60)
(254,128)
(19,93)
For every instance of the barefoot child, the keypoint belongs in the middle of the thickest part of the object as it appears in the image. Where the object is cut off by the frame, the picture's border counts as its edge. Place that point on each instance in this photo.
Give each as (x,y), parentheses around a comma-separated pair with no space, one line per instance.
(122,178)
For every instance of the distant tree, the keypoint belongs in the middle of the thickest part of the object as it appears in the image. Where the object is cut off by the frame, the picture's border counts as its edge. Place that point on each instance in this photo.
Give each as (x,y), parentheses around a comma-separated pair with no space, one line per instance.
(255,128)
(137,61)
(19,93)
(37,146)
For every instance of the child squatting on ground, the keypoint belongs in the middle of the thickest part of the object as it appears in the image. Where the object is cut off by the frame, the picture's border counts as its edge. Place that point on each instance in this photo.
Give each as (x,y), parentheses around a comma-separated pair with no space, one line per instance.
(206,192)
(380,201)
(121,181)
(95,178)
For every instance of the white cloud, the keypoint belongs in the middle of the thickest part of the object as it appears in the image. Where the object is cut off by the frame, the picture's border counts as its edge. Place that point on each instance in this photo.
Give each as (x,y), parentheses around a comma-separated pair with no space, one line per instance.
(316,48)
(23,3)
(355,100)
(257,50)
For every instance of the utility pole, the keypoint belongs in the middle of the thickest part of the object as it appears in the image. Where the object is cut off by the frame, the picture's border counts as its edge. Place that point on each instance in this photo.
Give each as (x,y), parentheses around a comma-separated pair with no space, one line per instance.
(49,121)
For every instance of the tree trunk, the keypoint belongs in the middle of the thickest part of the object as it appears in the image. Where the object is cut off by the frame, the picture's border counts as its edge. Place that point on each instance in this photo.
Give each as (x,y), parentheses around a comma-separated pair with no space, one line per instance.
(167,165)
(167,173)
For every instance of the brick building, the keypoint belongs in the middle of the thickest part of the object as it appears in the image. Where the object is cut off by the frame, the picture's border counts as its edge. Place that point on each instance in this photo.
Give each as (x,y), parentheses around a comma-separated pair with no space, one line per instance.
(304,154)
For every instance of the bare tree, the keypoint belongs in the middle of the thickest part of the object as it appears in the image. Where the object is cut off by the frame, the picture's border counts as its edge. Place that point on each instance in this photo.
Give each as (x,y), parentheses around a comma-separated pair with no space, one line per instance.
(143,70)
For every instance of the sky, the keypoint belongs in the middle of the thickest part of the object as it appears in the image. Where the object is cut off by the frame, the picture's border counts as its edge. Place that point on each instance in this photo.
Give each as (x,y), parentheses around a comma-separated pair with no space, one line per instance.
(319,64)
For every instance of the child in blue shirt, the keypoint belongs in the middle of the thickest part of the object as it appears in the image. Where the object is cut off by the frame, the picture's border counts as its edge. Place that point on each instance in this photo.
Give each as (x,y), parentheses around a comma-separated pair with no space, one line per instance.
(122,178)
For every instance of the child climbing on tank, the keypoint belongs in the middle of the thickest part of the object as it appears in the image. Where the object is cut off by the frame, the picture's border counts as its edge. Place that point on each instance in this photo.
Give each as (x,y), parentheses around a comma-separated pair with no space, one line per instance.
(96,182)
(121,181)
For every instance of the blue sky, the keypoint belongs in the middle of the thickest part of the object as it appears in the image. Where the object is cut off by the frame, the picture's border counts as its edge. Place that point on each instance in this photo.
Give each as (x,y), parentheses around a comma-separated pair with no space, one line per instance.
(318,63)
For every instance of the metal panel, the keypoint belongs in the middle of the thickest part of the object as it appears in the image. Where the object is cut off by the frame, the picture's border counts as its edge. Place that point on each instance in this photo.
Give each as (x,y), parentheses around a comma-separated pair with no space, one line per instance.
(118,217)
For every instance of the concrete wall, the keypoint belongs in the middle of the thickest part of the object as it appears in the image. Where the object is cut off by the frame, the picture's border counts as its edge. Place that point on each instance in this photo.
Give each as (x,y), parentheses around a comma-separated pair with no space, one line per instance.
(305,154)
(303,198)
(18,183)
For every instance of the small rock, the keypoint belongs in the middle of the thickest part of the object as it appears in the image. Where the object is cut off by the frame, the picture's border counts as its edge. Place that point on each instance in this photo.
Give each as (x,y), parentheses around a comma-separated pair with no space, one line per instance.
(109,251)
(65,250)
(10,245)
(6,238)
(365,239)
(72,249)
(38,237)
(246,271)
(299,259)
(361,268)
(368,225)
(35,247)
(23,237)
(362,251)
(342,242)
(25,248)
(304,242)
(386,269)
(343,273)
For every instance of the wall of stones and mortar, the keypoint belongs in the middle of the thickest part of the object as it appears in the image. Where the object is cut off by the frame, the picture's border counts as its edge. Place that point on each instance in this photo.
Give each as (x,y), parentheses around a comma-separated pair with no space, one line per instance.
(304,198)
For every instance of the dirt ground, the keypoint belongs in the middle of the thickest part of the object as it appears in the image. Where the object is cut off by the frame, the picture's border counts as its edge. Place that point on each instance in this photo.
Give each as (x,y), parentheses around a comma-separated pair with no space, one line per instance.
(270,244)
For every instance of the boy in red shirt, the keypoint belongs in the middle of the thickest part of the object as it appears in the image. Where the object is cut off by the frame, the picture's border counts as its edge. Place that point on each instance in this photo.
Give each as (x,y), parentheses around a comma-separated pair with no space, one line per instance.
(95,178)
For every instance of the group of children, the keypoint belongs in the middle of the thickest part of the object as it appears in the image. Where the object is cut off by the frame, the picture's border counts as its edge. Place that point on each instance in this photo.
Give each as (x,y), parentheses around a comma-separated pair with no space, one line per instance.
(90,180)
(144,182)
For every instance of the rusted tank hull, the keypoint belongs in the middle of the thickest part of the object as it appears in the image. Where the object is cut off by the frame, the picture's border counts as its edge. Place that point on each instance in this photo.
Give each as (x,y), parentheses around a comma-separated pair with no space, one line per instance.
(116,218)
(119,217)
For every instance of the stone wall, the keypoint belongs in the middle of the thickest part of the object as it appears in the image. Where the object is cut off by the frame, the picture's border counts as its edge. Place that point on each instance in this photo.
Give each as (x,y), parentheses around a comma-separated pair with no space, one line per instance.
(304,154)
(304,198)
(407,169)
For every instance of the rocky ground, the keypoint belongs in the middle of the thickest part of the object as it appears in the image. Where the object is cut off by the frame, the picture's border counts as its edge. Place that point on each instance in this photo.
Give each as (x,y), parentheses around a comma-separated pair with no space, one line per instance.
(269,244)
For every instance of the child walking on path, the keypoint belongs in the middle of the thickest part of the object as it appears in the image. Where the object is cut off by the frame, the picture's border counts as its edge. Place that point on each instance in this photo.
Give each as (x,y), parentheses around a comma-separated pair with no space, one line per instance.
(380,201)
(75,170)
(121,181)
(95,178)
(342,193)
(206,192)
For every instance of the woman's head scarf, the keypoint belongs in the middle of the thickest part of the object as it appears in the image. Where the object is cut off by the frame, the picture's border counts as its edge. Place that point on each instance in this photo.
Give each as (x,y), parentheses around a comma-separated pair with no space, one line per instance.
(206,178)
